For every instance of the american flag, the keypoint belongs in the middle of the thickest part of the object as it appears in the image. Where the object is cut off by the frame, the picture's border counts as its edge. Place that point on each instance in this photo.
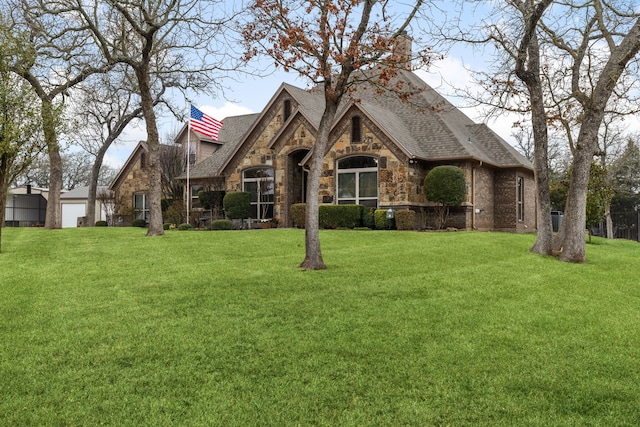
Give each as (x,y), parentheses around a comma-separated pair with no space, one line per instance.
(203,124)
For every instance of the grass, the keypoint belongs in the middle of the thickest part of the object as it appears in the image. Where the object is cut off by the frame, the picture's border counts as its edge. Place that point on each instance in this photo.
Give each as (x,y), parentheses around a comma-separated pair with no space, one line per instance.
(106,326)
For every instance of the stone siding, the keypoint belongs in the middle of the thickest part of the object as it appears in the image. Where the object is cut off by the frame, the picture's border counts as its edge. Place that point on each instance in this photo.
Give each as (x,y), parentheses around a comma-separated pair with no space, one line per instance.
(135,181)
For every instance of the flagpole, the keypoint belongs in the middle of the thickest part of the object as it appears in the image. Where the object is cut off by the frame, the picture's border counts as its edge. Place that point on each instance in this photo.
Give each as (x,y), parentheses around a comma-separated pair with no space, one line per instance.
(188,162)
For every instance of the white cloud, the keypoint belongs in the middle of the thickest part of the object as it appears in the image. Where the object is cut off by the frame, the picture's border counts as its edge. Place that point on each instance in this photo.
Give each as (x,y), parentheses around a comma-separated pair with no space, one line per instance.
(229,109)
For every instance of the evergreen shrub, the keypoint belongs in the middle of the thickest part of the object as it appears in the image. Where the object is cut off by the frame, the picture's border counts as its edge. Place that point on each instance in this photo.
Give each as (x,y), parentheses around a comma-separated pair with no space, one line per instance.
(339,216)
(298,214)
(221,224)
(101,224)
(237,204)
(381,220)
(139,223)
(366,217)
(405,219)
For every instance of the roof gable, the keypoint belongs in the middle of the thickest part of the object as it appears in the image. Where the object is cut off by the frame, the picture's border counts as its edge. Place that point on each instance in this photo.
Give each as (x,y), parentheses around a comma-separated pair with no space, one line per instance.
(128,165)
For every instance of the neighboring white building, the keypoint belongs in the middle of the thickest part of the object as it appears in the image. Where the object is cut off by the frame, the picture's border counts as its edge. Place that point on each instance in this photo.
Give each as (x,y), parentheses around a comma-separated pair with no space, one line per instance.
(74,206)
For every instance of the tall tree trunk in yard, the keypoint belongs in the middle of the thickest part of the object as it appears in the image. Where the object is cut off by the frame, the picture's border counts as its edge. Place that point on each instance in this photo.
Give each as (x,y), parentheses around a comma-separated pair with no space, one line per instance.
(573,238)
(313,254)
(93,186)
(153,144)
(530,75)
(53,218)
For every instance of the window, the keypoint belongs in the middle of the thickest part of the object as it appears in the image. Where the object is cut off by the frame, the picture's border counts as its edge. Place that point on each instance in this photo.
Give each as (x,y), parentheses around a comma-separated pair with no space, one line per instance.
(356,129)
(143,160)
(195,200)
(141,206)
(520,198)
(358,181)
(259,183)
(287,110)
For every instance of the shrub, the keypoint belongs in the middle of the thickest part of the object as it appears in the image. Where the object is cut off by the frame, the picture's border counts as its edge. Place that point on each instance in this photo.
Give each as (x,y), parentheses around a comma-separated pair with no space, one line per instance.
(381,220)
(366,217)
(164,204)
(221,224)
(339,216)
(446,186)
(175,212)
(185,226)
(237,204)
(298,214)
(102,223)
(166,226)
(139,223)
(211,200)
(405,219)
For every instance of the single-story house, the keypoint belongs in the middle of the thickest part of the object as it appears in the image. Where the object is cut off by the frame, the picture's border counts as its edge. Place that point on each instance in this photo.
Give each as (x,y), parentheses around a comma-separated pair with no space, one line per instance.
(74,207)
(131,186)
(381,147)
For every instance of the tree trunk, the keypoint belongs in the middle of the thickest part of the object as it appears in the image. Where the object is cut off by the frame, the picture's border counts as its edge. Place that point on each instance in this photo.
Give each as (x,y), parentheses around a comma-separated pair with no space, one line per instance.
(53,219)
(575,215)
(153,144)
(93,184)
(543,243)
(3,203)
(608,220)
(313,254)
(530,75)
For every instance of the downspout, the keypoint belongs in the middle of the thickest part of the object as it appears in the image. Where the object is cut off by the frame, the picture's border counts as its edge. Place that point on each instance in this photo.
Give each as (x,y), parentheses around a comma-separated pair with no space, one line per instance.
(473,197)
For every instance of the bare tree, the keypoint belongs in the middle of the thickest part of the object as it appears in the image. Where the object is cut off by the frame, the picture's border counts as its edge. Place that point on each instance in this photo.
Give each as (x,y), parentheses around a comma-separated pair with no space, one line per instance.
(62,55)
(76,171)
(327,42)
(172,164)
(107,199)
(572,59)
(103,108)
(166,44)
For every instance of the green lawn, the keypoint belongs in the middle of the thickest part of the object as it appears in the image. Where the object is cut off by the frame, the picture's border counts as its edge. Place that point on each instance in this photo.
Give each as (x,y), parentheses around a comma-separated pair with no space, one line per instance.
(106,326)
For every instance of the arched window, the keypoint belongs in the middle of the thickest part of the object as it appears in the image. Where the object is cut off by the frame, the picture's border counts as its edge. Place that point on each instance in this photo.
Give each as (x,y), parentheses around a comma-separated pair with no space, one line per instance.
(356,129)
(259,183)
(358,181)
(143,160)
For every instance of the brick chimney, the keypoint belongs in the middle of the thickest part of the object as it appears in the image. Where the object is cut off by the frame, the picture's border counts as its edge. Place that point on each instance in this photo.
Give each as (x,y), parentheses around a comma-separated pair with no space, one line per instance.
(402,50)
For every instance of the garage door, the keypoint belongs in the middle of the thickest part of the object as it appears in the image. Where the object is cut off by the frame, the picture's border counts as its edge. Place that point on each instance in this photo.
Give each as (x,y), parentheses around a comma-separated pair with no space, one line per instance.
(70,214)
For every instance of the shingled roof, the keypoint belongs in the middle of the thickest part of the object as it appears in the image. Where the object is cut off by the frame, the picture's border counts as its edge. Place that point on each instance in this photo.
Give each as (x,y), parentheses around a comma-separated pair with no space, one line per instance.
(230,136)
(425,127)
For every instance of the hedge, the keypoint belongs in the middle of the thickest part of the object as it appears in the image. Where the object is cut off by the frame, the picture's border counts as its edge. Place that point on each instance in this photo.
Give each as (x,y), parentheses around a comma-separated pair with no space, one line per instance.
(381,220)
(221,224)
(333,216)
(405,219)
(339,216)
(139,223)
(298,214)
